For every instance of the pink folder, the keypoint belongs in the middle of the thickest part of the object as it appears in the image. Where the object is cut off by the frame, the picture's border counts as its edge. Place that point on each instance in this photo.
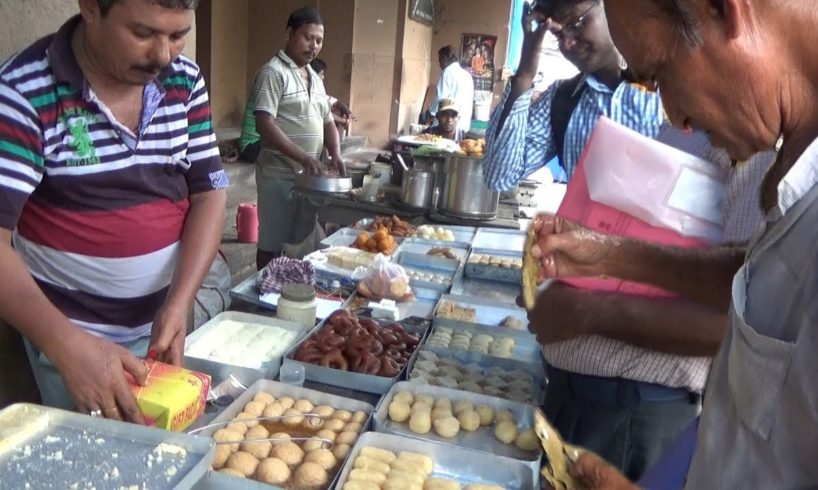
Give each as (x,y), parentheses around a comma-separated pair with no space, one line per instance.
(577,206)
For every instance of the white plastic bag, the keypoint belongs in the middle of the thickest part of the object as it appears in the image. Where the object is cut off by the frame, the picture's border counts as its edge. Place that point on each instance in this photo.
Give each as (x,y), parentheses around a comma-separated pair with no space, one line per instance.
(385,280)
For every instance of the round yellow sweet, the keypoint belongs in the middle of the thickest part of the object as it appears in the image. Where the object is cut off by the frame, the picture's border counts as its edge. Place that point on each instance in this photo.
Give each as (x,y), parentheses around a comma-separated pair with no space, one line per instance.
(273,471)
(326,434)
(486,414)
(340,451)
(223,451)
(334,425)
(324,411)
(313,444)
(255,408)
(322,457)
(403,396)
(242,462)
(310,475)
(462,406)
(505,416)
(506,432)
(289,452)
(344,415)
(231,436)
(259,450)
(353,427)
(420,422)
(347,437)
(360,417)
(247,419)
(421,407)
(303,406)
(441,413)
(274,410)
(280,438)
(447,427)
(264,398)
(527,440)
(427,399)
(257,432)
(292,418)
(444,402)
(239,427)
(469,420)
(286,402)
(399,411)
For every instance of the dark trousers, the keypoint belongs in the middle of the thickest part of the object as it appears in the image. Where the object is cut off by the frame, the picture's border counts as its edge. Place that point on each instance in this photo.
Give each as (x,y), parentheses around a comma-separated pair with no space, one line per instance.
(629,424)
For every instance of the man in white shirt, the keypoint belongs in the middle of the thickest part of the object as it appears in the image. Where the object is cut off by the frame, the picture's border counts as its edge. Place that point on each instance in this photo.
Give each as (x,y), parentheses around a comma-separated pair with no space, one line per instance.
(455,83)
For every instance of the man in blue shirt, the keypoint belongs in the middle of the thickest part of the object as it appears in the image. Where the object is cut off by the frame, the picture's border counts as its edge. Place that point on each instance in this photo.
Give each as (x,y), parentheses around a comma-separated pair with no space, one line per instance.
(621,401)
(524,136)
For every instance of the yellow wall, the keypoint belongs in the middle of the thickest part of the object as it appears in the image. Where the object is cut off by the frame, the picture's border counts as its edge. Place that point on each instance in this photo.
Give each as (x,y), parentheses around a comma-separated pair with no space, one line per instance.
(228,61)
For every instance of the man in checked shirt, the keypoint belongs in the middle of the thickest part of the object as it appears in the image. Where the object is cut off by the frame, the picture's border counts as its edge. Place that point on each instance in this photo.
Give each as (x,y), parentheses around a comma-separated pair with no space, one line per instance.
(624,398)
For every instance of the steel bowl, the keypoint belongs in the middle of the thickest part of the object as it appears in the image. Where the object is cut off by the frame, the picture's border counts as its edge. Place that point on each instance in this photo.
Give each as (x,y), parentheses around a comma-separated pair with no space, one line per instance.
(331,185)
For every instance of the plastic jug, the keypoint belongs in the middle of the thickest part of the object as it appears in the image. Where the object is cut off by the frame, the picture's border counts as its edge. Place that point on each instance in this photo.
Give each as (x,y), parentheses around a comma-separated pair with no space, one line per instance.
(247,223)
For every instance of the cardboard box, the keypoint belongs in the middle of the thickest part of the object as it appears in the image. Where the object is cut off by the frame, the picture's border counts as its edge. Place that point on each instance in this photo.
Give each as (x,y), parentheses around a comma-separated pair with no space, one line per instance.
(173,397)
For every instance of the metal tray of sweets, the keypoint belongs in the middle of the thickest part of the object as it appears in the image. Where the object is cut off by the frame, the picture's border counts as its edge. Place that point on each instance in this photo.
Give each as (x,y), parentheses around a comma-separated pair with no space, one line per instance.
(512,275)
(453,463)
(345,237)
(500,240)
(526,349)
(279,390)
(471,363)
(197,359)
(215,480)
(482,439)
(496,291)
(356,381)
(416,247)
(488,313)
(422,306)
(43,447)
(423,269)
(463,236)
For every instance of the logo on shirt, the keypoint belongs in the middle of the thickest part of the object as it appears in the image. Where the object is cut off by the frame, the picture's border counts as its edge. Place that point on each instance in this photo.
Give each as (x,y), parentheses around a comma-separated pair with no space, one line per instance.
(81,141)
(218,180)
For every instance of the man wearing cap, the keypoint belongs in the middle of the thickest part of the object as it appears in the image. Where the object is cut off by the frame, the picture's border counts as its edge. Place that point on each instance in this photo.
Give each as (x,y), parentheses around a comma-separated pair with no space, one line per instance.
(447,122)
(455,84)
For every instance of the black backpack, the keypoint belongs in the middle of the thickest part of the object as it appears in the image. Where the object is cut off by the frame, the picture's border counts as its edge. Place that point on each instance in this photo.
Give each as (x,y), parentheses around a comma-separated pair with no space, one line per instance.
(566,99)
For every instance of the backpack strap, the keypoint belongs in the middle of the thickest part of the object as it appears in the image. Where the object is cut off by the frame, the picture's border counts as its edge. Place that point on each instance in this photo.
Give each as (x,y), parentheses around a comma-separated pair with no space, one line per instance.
(566,99)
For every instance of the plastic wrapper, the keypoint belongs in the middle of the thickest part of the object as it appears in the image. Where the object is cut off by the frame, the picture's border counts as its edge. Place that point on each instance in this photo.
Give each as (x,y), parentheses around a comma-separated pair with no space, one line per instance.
(173,397)
(385,280)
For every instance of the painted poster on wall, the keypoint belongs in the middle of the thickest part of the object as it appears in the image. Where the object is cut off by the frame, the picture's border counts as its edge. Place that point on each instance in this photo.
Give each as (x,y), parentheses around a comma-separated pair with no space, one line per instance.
(477,56)
(423,11)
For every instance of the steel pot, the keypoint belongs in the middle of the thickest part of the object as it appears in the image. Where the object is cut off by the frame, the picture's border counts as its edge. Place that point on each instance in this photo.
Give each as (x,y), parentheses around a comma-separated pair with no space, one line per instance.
(436,165)
(417,188)
(465,193)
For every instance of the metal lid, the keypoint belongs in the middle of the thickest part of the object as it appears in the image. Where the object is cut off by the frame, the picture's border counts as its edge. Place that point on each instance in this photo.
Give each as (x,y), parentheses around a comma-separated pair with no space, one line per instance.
(298,293)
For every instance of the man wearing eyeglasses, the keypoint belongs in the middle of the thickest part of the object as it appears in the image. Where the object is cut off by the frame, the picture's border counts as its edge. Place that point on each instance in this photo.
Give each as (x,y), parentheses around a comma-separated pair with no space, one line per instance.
(621,401)
(524,136)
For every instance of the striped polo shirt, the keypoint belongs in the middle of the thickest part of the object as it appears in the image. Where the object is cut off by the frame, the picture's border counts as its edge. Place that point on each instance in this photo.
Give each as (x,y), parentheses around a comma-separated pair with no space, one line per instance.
(98,211)
(299,111)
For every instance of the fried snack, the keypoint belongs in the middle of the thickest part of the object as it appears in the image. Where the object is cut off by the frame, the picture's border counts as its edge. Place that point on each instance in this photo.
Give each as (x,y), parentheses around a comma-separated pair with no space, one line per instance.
(310,475)
(531,268)
(264,398)
(242,462)
(340,451)
(323,457)
(557,454)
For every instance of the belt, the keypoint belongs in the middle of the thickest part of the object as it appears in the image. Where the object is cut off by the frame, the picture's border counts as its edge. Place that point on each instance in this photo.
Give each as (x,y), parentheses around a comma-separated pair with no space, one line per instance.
(618,391)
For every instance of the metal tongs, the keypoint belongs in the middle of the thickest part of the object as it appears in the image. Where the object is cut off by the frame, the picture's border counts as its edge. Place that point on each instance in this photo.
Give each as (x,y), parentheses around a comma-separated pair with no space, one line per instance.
(313,418)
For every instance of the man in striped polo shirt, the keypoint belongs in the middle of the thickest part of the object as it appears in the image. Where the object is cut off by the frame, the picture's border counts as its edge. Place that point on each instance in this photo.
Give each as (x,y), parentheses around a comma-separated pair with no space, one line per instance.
(293,121)
(113,196)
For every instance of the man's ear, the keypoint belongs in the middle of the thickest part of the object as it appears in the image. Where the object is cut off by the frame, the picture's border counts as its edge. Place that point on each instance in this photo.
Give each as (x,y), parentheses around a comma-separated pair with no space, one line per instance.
(730,14)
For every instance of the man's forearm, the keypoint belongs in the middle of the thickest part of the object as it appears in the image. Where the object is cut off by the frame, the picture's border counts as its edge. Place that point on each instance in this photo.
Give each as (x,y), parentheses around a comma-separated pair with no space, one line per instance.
(704,275)
(673,326)
(200,242)
(273,137)
(332,141)
(24,306)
